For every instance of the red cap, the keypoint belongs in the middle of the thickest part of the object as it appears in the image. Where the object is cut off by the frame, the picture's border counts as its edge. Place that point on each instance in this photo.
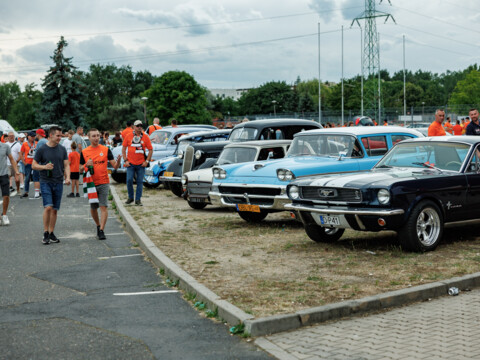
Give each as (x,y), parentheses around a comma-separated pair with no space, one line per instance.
(41,132)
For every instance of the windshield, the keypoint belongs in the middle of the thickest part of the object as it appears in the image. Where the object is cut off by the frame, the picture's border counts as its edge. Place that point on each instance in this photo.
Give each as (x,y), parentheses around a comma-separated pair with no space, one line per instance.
(160,137)
(243,134)
(182,145)
(324,145)
(235,155)
(434,155)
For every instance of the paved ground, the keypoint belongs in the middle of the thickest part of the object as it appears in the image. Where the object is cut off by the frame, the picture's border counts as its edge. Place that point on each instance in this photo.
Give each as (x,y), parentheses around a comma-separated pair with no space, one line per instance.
(65,300)
(445,328)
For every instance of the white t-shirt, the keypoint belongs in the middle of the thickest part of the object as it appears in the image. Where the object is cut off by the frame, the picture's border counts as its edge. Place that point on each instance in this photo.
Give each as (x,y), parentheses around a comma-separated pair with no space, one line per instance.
(15,147)
(68,145)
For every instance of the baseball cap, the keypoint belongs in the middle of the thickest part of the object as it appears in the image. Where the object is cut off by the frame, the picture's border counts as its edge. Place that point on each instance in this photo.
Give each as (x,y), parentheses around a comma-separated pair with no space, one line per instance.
(31,133)
(138,123)
(41,132)
(21,135)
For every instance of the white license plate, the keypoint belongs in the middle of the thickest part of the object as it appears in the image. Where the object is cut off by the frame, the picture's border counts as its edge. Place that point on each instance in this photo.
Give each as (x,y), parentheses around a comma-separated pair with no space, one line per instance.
(330,220)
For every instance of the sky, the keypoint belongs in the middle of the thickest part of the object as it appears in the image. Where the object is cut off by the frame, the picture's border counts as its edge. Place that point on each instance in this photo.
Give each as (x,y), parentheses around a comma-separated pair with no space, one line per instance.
(235,44)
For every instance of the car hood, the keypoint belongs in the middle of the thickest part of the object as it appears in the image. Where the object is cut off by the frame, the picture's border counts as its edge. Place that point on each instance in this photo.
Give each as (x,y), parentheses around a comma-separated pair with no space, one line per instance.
(375,177)
(200,175)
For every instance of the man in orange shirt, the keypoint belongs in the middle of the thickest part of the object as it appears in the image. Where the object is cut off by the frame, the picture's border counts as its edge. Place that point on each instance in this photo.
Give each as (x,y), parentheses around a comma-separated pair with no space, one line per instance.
(127,130)
(27,151)
(154,126)
(457,128)
(137,160)
(97,156)
(436,128)
(448,126)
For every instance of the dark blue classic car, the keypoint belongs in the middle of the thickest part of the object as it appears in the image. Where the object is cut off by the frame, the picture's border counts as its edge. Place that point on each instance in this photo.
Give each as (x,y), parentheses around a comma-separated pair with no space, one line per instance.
(415,189)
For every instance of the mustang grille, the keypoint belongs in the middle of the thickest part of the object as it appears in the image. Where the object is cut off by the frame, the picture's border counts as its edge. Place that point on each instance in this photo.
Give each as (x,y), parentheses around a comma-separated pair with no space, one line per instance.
(327,194)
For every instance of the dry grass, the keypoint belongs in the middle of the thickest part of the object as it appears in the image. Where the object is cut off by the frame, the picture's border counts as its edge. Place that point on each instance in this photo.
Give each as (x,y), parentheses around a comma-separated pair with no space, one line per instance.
(273,267)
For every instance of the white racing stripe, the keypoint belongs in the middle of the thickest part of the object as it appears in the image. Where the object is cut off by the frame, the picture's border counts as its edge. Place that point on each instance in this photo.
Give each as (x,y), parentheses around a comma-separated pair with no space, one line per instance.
(147,293)
(118,256)
(337,181)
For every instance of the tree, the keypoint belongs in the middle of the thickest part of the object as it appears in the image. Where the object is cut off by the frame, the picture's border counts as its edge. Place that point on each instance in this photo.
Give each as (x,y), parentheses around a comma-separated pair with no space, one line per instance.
(64,95)
(260,100)
(467,92)
(177,95)
(22,115)
(9,92)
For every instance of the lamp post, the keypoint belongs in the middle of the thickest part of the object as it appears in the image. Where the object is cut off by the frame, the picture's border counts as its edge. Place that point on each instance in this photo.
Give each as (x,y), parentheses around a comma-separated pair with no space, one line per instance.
(274,102)
(423,109)
(145,110)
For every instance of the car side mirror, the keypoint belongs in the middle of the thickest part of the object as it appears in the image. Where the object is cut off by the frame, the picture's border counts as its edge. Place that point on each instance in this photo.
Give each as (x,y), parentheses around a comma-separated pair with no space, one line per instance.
(173,142)
(341,154)
(270,155)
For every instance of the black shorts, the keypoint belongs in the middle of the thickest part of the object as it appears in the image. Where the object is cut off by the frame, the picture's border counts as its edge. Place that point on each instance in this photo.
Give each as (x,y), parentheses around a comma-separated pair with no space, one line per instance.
(5,185)
(74,175)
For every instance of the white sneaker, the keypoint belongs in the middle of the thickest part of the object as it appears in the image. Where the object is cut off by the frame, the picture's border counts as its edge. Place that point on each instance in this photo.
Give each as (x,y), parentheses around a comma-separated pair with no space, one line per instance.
(21,186)
(5,220)
(37,196)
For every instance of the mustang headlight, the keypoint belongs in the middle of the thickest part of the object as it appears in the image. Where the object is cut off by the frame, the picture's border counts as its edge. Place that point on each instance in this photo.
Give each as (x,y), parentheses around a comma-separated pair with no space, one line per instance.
(383,196)
(219,173)
(198,154)
(293,192)
(184,180)
(180,154)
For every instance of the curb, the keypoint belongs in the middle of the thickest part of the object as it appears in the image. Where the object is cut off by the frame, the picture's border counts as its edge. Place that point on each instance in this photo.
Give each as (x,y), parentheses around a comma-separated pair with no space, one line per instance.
(307,317)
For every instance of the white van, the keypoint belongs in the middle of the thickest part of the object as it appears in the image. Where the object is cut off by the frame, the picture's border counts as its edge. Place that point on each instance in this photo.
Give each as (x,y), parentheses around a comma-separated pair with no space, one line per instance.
(6,128)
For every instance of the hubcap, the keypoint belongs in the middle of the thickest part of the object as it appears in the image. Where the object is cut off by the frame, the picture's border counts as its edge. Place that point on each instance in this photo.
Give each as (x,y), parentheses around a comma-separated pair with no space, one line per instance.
(428,226)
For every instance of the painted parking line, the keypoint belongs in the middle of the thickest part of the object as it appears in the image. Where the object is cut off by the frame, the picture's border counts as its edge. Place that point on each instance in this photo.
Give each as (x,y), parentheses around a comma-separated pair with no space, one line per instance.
(146,293)
(118,256)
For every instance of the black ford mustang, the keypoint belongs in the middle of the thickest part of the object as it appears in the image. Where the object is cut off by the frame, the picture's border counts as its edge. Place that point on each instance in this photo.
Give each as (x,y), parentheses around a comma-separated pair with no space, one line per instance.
(415,189)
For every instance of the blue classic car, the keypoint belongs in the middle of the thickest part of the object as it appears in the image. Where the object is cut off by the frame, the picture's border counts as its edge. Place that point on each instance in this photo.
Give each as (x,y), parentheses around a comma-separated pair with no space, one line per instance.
(255,189)
(415,189)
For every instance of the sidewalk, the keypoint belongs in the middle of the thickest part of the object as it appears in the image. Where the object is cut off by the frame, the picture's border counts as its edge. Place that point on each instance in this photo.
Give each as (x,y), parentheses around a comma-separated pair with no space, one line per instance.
(85,298)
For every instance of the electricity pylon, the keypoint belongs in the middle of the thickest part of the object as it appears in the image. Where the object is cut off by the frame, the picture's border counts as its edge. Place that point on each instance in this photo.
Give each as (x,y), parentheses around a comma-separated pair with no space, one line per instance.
(371,56)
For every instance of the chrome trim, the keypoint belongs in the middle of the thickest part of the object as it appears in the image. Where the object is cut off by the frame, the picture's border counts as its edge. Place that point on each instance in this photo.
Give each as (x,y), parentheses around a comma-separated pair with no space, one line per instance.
(331,211)
(170,178)
(279,201)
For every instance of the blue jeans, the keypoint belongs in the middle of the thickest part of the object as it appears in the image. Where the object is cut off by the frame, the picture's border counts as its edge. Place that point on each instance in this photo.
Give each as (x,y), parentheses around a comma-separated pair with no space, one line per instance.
(28,176)
(140,171)
(51,194)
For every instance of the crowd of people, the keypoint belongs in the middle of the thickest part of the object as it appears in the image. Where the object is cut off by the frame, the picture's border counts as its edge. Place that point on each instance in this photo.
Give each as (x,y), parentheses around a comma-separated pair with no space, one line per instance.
(465,126)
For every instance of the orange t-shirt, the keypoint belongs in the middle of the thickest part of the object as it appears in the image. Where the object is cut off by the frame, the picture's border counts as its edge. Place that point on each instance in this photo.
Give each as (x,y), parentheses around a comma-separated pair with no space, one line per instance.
(457,129)
(152,128)
(74,158)
(100,156)
(436,129)
(448,127)
(2,138)
(137,148)
(28,152)
(126,131)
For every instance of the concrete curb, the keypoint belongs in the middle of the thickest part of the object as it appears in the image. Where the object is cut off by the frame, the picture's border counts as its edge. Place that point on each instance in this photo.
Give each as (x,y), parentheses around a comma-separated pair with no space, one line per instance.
(279,323)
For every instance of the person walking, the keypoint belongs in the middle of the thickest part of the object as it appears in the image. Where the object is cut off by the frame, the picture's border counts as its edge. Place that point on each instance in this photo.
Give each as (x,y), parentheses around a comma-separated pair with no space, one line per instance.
(14,176)
(128,130)
(27,152)
(473,128)
(74,161)
(21,163)
(78,138)
(51,161)
(96,158)
(6,154)
(154,126)
(136,160)
(41,140)
(457,128)
(436,128)
(67,143)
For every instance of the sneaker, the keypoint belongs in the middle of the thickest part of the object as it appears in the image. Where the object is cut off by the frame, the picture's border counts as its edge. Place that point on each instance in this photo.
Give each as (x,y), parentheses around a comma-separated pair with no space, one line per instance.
(5,220)
(78,195)
(53,238)
(71,195)
(46,238)
(25,195)
(13,192)
(37,196)
(129,201)
(138,203)
(11,189)
(21,186)
(101,235)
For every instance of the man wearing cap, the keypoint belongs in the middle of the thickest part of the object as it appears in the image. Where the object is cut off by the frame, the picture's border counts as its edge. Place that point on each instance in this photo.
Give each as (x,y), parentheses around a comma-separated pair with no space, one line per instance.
(137,160)
(27,151)
(15,150)
(5,154)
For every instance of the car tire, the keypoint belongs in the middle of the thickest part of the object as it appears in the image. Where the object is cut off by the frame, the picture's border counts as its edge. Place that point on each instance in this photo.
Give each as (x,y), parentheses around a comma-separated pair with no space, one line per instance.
(424,228)
(177,189)
(119,177)
(196,205)
(321,234)
(253,217)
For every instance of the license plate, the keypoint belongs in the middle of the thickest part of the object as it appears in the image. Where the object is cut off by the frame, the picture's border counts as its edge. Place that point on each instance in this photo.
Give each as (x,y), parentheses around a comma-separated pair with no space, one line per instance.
(330,220)
(197,200)
(249,208)
(168,174)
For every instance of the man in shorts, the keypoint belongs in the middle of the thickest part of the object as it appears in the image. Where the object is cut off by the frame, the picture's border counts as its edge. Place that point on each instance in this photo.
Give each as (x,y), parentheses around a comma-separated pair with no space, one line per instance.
(97,156)
(6,153)
(51,161)
(27,151)
(15,147)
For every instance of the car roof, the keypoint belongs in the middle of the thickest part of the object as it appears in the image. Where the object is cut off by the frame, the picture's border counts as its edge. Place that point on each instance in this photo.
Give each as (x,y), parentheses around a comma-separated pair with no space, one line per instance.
(261,143)
(362,130)
(277,122)
(210,145)
(467,139)
(206,132)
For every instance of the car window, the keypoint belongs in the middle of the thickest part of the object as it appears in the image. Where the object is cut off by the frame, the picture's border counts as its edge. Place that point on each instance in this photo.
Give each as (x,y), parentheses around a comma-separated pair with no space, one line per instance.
(272,134)
(474,163)
(234,155)
(276,153)
(321,145)
(243,134)
(375,145)
(397,138)
(160,137)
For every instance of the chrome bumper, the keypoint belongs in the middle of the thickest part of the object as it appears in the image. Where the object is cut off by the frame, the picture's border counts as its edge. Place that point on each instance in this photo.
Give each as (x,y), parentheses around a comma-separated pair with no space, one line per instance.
(170,178)
(343,211)
(279,201)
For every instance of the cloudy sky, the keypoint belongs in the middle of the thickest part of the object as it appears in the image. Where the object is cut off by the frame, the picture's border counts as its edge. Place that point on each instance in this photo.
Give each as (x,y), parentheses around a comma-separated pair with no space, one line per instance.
(234,44)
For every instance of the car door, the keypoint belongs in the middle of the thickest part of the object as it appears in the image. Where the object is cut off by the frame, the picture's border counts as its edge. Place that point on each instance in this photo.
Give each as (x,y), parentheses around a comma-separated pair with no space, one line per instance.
(472,173)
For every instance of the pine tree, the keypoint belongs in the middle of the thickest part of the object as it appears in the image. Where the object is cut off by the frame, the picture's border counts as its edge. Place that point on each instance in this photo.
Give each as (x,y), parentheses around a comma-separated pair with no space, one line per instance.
(64,95)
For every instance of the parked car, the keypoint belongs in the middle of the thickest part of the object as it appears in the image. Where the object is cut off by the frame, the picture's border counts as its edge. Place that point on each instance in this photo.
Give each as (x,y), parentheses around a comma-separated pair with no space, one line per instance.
(415,189)
(164,143)
(255,191)
(197,183)
(157,168)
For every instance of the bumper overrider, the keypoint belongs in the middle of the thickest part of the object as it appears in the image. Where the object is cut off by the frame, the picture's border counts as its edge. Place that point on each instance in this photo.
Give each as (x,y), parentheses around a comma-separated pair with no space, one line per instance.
(243,195)
(348,217)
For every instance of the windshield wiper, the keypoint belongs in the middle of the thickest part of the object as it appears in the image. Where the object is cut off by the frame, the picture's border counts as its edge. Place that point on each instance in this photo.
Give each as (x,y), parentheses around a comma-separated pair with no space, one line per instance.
(427,165)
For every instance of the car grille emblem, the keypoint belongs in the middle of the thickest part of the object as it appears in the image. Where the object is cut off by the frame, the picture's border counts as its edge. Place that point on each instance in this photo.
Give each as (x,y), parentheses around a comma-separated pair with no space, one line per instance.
(357,195)
(245,195)
(327,193)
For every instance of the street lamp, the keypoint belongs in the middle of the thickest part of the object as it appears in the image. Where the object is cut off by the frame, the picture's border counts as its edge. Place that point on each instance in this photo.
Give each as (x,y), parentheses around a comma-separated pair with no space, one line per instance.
(274,102)
(423,109)
(145,110)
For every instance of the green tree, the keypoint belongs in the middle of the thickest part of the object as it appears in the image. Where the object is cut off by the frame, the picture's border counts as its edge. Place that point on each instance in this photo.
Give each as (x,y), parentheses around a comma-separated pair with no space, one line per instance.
(467,92)
(177,95)
(9,92)
(261,100)
(25,107)
(64,95)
